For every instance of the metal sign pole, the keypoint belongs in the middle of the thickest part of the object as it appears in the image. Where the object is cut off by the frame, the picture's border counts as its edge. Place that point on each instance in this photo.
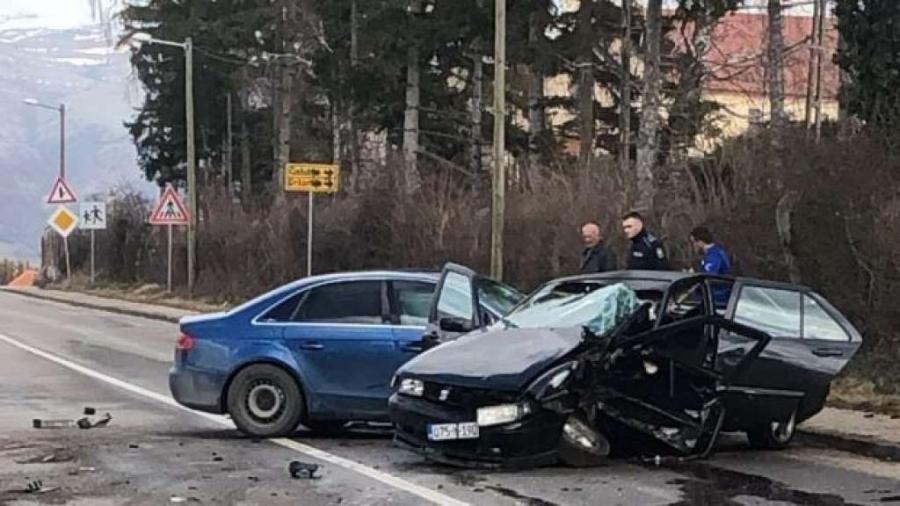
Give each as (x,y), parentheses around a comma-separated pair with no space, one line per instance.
(169,263)
(309,237)
(68,264)
(92,257)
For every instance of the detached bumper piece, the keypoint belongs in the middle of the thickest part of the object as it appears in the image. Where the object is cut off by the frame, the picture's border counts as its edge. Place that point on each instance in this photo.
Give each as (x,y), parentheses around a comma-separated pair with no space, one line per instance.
(531,442)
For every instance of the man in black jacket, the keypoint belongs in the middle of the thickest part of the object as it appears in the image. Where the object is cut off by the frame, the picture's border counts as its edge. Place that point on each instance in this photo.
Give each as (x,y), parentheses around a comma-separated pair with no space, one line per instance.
(647,251)
(595,257)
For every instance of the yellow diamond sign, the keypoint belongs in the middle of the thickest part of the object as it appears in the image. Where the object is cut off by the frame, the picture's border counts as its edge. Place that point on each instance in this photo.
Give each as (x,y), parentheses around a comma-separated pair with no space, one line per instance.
(63,221)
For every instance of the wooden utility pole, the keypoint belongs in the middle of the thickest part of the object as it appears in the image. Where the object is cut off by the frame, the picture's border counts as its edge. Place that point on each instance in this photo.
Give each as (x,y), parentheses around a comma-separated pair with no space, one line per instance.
(814,53)
(498,200)
(819,60)
(191,162)
(776,69)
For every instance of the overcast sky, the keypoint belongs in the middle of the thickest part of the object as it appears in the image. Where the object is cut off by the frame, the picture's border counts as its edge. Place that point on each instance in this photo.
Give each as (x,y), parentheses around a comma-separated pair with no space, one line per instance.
(44,13)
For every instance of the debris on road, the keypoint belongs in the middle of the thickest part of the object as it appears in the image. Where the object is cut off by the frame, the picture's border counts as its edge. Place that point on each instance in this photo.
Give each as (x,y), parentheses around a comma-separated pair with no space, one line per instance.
(303,470)
(36,487)
(90,411)
(37,423)
(86,423)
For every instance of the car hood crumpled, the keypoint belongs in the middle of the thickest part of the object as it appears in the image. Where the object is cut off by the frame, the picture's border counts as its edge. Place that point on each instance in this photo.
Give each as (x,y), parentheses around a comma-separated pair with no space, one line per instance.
(496,359)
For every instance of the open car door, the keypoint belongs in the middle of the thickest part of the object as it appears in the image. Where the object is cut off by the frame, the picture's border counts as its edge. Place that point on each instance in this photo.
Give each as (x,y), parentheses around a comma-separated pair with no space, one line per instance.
(464,301)
(663,382)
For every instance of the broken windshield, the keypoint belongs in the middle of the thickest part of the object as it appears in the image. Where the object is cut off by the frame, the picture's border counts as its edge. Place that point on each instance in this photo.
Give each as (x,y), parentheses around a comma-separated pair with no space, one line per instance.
(576,304)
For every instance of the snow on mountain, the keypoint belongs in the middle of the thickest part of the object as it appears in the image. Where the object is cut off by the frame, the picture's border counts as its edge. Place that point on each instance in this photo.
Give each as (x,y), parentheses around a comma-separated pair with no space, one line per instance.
(76,67)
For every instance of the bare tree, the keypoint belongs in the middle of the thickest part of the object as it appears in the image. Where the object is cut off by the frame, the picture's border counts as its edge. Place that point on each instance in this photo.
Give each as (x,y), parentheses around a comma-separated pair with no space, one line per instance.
(625,90)
(411,179)
(535,92)
(352,131)
(586,83)
(477,103)
(776,69)
(648,139)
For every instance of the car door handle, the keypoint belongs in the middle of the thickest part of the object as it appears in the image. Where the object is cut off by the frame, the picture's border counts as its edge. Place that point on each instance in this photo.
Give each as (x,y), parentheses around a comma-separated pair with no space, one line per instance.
(828,352)
(413,347)
(312,346)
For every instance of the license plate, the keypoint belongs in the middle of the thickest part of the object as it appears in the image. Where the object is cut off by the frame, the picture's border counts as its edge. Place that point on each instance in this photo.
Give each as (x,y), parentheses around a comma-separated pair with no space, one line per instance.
(450,431)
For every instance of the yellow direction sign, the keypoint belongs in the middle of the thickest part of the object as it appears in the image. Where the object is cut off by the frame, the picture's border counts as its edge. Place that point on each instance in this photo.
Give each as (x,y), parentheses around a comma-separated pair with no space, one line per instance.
(63,221)
(312,177)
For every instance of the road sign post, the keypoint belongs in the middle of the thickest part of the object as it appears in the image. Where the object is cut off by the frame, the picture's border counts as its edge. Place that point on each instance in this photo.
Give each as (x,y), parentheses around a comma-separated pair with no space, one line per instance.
(92,217)
(170,211)
(64,222)
(311,178)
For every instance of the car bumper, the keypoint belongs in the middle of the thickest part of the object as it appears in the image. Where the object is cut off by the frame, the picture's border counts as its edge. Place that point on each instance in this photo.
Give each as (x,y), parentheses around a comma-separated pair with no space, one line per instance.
(533,441)
(196,389)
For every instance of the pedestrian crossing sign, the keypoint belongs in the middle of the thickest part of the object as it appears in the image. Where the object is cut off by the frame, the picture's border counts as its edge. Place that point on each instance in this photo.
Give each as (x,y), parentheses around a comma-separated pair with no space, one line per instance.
(170,209)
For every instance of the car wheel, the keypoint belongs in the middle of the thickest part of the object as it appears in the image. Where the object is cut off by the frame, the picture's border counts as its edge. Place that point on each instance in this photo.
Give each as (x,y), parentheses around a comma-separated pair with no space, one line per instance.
(773,435)
(581,445)
(265,401)
(325,427)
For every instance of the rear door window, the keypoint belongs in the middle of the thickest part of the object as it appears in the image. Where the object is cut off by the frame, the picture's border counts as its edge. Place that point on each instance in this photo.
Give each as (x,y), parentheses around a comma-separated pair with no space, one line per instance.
(818,324)
(772,310)
(358,302)
(413,301)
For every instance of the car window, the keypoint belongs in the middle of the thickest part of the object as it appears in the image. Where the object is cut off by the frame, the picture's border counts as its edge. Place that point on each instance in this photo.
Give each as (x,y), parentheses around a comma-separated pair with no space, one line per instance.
(771,310)
(721,293)
(284,311)
(685,302)
(413,301)
(497,296)
(350,302)
(818,324)
(456,297)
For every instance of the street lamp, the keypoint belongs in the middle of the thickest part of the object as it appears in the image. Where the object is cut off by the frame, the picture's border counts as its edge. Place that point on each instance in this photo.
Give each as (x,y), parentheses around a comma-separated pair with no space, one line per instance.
(62,131)
(188,48)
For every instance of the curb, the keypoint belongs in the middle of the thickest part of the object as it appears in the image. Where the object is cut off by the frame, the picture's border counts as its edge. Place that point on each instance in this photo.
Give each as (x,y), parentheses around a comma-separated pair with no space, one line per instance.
(109,308)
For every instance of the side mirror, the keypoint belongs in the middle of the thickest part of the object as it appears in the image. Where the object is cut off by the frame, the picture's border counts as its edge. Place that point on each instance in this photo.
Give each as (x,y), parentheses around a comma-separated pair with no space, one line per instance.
(460,325)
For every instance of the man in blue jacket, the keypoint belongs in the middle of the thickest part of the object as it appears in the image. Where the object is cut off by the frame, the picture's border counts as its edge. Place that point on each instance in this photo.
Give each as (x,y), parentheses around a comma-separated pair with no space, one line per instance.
(715,258)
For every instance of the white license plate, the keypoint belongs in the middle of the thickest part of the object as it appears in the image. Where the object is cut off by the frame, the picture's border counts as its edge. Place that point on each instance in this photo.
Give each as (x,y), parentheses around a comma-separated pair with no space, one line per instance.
(449,431)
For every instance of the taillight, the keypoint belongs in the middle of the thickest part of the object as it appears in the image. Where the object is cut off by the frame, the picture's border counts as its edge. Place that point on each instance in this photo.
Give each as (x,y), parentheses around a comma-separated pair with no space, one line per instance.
(185,342)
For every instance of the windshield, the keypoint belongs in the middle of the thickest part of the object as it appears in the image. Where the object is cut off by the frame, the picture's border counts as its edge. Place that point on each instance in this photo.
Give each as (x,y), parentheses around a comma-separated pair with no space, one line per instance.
(598,307)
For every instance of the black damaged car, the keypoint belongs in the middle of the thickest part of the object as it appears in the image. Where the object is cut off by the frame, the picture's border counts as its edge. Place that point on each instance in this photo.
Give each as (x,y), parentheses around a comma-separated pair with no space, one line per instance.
(586,365)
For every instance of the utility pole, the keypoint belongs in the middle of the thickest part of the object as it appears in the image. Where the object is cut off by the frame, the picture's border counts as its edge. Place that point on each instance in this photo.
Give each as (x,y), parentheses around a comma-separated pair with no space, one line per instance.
(821,55)
(229,142)
(191,160)
(625,94)
(498,200)
(62,141)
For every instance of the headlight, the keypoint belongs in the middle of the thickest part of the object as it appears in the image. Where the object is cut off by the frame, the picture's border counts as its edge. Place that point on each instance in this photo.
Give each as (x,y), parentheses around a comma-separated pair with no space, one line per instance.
(413,387)
(503,413)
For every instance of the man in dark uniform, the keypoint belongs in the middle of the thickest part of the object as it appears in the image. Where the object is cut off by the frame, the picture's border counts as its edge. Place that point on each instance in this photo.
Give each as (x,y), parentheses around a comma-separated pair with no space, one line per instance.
(596,257)
(646,251)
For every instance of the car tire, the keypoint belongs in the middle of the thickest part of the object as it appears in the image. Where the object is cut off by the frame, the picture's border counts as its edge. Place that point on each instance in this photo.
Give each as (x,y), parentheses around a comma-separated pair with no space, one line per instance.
(326,427)
(265,401)
(582,445)
(773,435)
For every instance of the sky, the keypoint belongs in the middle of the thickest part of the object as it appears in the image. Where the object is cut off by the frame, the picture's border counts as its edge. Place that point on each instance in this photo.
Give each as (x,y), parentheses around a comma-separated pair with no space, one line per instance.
(44,13)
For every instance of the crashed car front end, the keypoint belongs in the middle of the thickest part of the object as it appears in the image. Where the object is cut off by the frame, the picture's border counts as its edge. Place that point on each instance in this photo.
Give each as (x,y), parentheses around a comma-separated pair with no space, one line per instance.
(516,411)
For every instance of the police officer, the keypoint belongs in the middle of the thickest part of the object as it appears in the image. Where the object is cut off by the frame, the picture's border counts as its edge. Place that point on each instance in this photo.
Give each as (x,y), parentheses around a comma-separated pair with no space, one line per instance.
(646,251)
(595,257)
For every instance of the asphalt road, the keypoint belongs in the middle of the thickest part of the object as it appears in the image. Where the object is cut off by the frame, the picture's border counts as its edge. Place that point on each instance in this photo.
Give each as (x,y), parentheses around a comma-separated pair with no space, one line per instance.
(57,359)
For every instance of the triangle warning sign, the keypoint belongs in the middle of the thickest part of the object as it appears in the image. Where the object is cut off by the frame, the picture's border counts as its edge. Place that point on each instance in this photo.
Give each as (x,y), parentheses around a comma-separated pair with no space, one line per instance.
(169,210)
(61,193)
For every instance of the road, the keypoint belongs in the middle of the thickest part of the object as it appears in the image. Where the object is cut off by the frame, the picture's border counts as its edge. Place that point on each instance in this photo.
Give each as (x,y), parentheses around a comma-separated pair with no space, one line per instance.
(57,359)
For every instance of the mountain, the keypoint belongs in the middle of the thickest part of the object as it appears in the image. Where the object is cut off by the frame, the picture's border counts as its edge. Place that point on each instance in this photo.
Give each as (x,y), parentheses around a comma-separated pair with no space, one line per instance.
(77,67)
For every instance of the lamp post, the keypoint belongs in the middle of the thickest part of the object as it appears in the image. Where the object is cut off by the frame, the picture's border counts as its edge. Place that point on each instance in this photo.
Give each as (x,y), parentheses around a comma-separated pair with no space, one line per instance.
(188,48)
(61,109)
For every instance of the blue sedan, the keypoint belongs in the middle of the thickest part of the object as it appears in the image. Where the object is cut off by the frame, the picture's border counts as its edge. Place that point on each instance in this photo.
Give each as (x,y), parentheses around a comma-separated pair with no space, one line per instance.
(320,351)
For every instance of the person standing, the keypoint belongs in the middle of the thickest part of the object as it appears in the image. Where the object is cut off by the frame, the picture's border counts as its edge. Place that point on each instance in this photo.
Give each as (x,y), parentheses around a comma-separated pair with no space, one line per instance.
(646,251)
(595,257)
(715,259)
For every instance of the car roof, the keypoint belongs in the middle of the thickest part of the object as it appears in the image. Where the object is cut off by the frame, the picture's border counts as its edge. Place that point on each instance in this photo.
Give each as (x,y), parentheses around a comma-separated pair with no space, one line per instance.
(668,277)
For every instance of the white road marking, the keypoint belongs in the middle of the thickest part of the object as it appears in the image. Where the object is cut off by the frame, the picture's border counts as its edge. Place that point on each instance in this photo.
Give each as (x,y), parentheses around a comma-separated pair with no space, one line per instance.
(388,479)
